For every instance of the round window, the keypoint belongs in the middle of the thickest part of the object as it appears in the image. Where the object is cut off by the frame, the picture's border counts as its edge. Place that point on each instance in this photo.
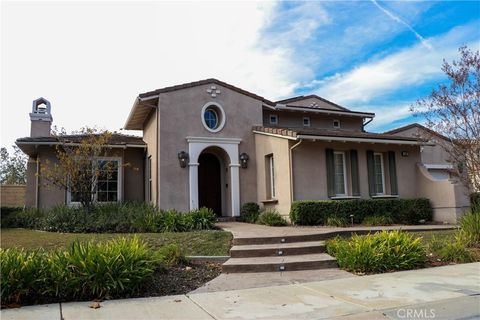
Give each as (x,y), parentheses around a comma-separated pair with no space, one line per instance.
(213,117)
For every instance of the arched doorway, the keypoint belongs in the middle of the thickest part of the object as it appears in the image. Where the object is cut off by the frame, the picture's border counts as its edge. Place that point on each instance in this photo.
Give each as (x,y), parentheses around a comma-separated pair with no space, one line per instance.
(210,182)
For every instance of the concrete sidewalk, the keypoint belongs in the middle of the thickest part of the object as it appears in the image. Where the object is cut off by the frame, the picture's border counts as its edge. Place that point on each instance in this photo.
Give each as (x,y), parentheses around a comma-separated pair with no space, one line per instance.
(450,292)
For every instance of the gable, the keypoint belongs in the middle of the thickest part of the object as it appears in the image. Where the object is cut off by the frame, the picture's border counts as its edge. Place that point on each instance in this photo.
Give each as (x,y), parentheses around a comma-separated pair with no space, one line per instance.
(312,101)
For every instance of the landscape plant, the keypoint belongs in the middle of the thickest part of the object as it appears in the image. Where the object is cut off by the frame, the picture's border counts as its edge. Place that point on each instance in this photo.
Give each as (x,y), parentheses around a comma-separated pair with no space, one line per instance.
(83,271)
(377,220)
(379,252)
(272,218)
(250,212)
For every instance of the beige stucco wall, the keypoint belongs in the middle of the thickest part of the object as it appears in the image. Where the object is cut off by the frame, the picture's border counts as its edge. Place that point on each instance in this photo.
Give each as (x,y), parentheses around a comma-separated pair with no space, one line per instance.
(292,119)
(309,168)
(449,198)
(12,195)
(430,154)
(280,148)
(30,196)
(150,136)
(180,116)
(48,195)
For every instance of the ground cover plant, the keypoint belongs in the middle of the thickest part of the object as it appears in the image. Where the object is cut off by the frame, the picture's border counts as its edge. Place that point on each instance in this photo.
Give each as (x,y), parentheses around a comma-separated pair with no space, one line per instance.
(118,268)
(112,217)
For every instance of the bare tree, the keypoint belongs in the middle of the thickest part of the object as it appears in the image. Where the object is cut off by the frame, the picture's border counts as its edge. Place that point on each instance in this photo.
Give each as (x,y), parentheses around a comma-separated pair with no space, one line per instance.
(77,169)
(453,110)
(13,168)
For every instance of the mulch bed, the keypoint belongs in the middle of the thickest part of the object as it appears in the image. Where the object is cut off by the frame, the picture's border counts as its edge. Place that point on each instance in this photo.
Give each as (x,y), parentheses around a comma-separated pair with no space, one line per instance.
(178,279)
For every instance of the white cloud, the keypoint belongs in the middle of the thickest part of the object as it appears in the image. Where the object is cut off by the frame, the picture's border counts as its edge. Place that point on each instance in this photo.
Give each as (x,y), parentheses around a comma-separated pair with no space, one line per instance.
(400,20)
(92,59)
(409,67)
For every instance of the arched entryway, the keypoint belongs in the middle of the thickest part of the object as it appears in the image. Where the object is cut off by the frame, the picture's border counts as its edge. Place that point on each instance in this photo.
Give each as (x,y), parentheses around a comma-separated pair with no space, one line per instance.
(210,182)
(226,151)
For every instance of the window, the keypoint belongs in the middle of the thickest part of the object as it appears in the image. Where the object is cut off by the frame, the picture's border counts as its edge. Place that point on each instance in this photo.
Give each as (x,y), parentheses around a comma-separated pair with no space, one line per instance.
(213,117)
(379,173)
(105,182)
(336,124)
(273,119)
(271,192)
(340,174)
(306,121)
(149,179)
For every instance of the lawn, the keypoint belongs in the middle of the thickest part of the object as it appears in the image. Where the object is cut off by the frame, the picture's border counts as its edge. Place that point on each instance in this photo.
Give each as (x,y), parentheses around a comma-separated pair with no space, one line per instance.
(195,243)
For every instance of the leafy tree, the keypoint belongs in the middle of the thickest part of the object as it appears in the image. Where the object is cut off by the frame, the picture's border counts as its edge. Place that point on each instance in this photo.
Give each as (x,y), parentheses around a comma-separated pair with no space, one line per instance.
(77,169)
(453,110)
(13,169)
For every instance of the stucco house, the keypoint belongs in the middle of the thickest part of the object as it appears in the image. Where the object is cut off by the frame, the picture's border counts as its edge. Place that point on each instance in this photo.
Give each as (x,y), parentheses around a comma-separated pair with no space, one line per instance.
(208,143)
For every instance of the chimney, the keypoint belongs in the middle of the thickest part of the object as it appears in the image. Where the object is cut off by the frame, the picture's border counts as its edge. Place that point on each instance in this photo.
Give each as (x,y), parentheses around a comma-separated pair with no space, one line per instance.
(40,118)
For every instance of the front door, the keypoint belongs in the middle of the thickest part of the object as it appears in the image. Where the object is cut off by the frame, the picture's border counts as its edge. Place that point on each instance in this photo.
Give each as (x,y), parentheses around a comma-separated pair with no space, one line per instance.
(209,183)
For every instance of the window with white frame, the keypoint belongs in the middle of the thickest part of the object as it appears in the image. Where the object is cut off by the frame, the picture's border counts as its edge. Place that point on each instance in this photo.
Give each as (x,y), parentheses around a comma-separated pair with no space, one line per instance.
(105,181)
(336,124)
(273,119)
(340,173)
(379,173)
(306,121)
(271,176)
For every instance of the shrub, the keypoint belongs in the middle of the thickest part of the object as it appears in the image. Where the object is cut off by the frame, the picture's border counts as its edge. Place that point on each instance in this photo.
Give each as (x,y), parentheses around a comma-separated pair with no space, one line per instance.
(404,211)
(170,255)
(201,219)
(377,221)
(334,221)
(271,218)
(470,227)
(475,201)
(448,250)
(83,271)
(112,217)
(250,212)
(379,252)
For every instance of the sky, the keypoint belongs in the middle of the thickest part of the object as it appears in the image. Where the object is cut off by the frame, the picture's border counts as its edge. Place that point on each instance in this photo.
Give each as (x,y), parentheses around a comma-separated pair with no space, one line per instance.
(92,59)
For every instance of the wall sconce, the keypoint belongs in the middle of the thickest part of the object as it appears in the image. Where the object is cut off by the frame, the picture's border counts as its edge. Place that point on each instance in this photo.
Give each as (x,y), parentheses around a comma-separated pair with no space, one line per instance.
(183,159)
(244,160)
(404,153)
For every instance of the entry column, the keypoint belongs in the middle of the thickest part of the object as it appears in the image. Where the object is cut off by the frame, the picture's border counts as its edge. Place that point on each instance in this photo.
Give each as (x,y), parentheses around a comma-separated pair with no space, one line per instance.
(193,179)
(235,187)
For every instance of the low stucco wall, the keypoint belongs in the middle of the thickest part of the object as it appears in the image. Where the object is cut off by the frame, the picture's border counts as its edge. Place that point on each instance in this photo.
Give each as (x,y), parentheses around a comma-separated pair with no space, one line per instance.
(13,195)
(449,198)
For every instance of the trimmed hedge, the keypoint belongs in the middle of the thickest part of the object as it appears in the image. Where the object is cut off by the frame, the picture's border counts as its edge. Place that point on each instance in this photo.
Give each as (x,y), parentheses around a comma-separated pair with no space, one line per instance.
(403,211)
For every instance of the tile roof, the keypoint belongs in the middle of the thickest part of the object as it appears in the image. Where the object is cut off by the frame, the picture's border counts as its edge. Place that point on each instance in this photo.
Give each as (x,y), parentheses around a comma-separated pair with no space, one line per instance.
(418,126)
(299,98)
(203,82)
(116,139)
(294,132)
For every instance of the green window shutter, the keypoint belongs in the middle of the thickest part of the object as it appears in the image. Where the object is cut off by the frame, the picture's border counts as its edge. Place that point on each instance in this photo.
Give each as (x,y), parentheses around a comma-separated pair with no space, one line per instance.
(354,173)
(330,172)
(392,171)
(371,173)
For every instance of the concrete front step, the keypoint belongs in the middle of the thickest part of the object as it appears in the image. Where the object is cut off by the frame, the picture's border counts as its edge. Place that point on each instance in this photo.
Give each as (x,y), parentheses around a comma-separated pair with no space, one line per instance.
(279,249)
(280,263)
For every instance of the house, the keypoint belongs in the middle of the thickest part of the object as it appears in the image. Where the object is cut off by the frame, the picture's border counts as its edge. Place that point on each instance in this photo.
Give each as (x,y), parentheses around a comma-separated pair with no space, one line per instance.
(209,143)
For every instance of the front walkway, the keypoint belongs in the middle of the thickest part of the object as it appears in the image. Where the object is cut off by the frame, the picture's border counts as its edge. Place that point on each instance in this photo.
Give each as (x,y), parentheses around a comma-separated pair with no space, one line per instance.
(449,292)
(249,230)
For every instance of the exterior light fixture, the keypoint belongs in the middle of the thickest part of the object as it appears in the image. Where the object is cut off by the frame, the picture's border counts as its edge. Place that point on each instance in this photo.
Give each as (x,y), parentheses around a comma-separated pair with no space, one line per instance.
(183,159)
(244,160)
(404,153)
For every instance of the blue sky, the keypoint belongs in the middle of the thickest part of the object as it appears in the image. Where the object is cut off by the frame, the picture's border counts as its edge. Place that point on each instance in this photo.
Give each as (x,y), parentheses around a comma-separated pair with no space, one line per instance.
(91,59)
(391,50)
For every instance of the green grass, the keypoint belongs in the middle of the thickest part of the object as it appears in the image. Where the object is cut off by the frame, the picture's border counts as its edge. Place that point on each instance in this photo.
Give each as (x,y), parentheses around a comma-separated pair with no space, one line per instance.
(196,243)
